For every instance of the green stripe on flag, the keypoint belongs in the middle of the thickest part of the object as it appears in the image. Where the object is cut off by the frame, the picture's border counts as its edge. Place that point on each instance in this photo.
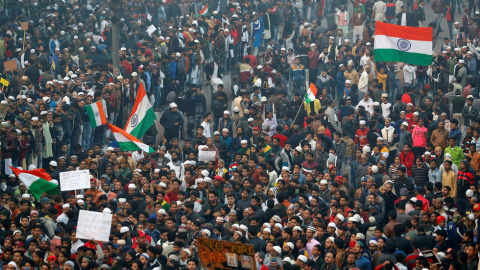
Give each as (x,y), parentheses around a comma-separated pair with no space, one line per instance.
(91,116)
(392,55)
(41,186)
(131,146)
(145,124)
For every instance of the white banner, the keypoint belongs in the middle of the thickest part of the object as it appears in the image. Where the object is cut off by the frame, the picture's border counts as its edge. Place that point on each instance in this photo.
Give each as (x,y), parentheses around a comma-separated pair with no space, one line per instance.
(207,155)
(94,225)
(74,180)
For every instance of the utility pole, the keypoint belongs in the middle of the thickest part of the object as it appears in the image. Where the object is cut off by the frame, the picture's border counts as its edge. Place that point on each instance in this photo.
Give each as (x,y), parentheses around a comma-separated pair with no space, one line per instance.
(116,11)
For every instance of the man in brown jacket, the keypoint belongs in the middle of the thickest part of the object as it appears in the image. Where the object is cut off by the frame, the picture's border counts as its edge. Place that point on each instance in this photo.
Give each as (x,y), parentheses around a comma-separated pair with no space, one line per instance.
(439,136)
(358,20)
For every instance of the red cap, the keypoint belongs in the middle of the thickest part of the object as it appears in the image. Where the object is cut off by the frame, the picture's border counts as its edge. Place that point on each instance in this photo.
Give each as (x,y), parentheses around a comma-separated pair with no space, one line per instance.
(331,168)
(339,179)
(256,128)
(415,6)
(218,177)
(476,207)
(52,258)
(141,233)
(440,218)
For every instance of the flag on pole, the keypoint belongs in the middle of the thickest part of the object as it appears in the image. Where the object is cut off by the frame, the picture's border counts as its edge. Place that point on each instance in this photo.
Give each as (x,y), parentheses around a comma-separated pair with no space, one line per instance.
(406,44)
(37,181)
(96,114)
(127,142)
(142,116)
(311,93)
(204,10)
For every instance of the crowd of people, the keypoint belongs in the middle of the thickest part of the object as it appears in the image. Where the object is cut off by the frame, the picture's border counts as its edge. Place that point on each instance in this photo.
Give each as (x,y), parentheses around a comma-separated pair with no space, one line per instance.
(378,171)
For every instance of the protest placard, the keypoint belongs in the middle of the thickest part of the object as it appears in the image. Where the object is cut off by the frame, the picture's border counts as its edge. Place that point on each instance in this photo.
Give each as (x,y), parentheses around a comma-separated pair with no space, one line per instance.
(207,155)
(226,255)
(10,65)
(430,256)
(94,225)
(74,180)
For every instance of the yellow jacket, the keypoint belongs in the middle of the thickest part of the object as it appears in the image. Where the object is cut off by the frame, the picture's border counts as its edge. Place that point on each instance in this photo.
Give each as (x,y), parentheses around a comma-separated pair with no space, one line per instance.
(316,106)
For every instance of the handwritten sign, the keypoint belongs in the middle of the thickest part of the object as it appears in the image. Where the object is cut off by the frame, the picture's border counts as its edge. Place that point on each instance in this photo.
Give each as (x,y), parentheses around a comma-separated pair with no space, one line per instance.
(74,180)
(226,255)
(207,155)
(4,82)
(94,225)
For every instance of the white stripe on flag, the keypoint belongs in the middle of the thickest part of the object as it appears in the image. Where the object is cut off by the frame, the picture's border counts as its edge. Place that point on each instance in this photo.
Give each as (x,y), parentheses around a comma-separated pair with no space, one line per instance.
(417,46)
(96,113)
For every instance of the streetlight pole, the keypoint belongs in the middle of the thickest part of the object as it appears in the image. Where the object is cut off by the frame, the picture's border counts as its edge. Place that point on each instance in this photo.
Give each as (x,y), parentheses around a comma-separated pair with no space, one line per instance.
(115,6)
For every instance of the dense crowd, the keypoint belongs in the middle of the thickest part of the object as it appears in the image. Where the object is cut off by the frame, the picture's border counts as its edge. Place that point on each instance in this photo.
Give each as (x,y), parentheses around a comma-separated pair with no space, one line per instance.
(375,171)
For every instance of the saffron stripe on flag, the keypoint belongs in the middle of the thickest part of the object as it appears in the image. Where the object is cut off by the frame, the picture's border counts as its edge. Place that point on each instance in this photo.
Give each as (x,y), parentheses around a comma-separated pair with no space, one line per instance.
(405,32)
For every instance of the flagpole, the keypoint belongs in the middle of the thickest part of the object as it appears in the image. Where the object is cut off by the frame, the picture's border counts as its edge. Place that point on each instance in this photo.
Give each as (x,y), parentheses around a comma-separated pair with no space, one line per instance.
(303,101)
(160,128)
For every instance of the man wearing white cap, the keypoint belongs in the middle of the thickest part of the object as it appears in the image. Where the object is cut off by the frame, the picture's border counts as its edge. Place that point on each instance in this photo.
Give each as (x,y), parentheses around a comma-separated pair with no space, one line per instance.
(228,123)
(461,72)
(351,74)
(172,121)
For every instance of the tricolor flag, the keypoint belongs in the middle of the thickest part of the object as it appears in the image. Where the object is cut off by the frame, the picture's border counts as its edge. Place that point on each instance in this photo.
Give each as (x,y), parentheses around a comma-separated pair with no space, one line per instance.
(142,116)
(311,93)
(127,142)
(406,44)
(96,114)
(204,10)
(37,181)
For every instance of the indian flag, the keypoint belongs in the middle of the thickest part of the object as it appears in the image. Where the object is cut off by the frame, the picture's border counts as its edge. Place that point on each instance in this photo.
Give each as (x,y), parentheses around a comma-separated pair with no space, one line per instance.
(395,43)
(142,116)
(96,114)
(311,93)
(127,142)
(37,181)
(204,10)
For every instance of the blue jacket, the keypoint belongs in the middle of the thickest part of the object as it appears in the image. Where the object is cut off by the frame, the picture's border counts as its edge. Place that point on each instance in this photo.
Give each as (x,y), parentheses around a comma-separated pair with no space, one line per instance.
(457,134)
(297,73)
(173,69)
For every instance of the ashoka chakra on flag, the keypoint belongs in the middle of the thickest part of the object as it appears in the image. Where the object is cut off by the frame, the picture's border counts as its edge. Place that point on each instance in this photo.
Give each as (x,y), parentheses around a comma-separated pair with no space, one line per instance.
(395,43)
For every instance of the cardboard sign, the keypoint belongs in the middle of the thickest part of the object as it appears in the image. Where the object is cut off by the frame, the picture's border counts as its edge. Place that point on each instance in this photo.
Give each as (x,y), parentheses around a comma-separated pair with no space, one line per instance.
(94,225)
(431,257)
(226,255)
(24,26)
(10,65)
(207,155)
(4,82)
(74,180)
